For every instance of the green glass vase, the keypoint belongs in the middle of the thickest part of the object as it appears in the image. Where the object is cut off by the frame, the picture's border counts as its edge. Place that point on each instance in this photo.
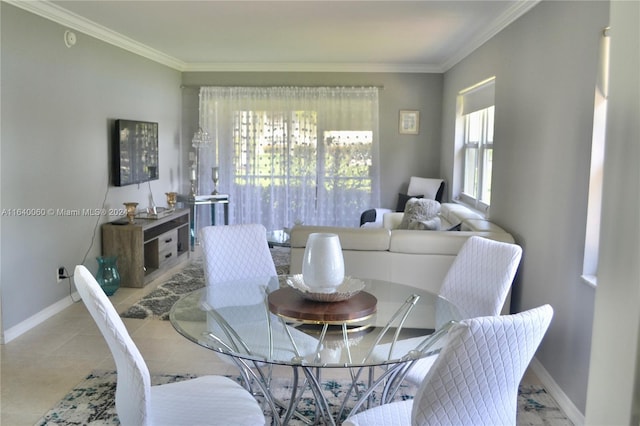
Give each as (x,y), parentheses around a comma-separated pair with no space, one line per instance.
(108,276)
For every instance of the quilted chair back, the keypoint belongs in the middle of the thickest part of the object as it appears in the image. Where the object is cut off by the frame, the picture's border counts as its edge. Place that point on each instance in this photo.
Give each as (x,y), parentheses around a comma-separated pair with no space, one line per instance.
(474,380)
(234,252)
(134,383)
(479,278)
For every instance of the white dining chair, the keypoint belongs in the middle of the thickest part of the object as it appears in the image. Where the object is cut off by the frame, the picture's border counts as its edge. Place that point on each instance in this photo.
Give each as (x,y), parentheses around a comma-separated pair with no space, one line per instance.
(234,252)
(474,381)
(477,283)
(206,400)
(241,252)
(481,275)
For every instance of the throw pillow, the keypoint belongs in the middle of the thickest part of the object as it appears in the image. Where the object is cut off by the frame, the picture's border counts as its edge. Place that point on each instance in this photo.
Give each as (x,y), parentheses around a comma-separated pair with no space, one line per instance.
(420,209)
(402,201)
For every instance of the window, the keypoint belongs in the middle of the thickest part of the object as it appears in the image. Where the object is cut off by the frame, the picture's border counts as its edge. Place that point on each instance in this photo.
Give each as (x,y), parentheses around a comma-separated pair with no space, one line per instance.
(477,122)
(594,206)
(290,155)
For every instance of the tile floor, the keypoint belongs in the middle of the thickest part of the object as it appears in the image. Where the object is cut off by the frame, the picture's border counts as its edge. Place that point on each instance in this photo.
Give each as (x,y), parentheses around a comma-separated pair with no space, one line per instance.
(41,366)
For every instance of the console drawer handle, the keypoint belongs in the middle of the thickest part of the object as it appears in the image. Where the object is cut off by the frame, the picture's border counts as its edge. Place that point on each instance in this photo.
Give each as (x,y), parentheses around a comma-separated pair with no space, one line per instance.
(168,255)
(168,240)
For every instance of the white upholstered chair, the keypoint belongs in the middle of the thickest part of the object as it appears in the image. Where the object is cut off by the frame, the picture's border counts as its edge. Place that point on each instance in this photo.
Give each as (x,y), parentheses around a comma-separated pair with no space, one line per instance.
(234,252)
(241,252)
(475,379)
(477,282)
(481,275)
(206,400)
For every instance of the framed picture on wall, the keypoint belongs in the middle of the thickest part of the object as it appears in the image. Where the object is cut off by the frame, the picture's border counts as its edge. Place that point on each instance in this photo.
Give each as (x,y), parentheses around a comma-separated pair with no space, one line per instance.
(409,123)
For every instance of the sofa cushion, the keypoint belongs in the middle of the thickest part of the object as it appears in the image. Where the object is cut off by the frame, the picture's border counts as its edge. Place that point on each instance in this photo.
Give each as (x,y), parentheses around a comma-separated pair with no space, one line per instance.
(421,214)
(456,213)
(431,224)
(480,225)
(368,239)
(437,242)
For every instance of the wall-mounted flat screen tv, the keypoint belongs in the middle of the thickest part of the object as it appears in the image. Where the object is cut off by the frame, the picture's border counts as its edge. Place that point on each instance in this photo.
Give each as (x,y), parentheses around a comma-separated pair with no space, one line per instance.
(134,152)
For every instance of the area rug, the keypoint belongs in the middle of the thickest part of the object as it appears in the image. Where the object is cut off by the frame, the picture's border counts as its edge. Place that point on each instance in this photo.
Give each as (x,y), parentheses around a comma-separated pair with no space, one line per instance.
(158,302)
(92,402)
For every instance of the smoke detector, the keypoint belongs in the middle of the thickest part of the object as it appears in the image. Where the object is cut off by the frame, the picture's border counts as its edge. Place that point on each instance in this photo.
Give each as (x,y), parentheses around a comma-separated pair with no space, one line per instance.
(69,38)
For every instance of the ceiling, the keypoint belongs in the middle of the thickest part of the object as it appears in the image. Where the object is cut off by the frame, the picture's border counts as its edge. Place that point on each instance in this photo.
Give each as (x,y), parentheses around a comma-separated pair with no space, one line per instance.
(363,36)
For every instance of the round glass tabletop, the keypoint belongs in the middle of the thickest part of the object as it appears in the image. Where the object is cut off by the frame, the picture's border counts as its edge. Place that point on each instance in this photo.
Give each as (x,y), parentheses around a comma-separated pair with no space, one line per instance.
(265,320)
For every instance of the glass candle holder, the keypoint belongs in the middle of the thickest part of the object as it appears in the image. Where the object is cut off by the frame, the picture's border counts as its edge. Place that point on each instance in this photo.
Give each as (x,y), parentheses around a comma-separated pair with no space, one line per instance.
(215,176)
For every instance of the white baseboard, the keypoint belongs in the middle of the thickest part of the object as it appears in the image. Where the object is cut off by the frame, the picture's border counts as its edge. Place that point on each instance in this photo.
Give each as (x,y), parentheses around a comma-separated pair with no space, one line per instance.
(38,318)
(572,412)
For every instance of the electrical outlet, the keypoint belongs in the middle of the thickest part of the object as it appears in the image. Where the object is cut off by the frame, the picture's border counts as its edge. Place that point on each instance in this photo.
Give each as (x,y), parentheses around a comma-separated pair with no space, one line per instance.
(60,273)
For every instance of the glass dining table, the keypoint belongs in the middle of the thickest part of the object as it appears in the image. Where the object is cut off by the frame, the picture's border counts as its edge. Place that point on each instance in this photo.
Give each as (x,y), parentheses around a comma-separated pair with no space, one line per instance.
(261,322)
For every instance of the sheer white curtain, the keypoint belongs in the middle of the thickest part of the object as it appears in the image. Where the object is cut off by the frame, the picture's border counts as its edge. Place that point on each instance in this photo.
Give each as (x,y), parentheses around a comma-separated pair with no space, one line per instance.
(292,154)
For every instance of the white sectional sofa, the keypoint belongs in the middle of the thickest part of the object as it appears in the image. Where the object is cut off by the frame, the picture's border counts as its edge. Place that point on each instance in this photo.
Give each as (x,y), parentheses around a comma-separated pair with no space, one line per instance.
(416,258)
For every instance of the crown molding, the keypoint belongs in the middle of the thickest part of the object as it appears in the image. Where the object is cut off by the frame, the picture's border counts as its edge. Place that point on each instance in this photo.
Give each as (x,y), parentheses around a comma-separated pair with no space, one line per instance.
(311,67)
(55,13)
(518,9)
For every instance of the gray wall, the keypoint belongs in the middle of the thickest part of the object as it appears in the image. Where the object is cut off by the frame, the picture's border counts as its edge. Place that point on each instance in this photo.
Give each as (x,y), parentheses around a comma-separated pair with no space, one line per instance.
(402,155)
(57,104)
(57,107)
(545,66)
(614,379)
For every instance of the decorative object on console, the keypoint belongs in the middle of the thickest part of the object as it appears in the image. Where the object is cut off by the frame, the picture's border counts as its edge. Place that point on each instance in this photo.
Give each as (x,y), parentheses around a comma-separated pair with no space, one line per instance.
(194,183)
(172,198)
(201,139)
(131,210)
(134,152)
(215,175)
(153,171)
(108,276)
(323,264)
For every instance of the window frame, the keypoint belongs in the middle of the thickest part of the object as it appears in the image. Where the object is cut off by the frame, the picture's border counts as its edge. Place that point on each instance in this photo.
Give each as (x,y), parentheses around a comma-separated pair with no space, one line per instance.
(483,147)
